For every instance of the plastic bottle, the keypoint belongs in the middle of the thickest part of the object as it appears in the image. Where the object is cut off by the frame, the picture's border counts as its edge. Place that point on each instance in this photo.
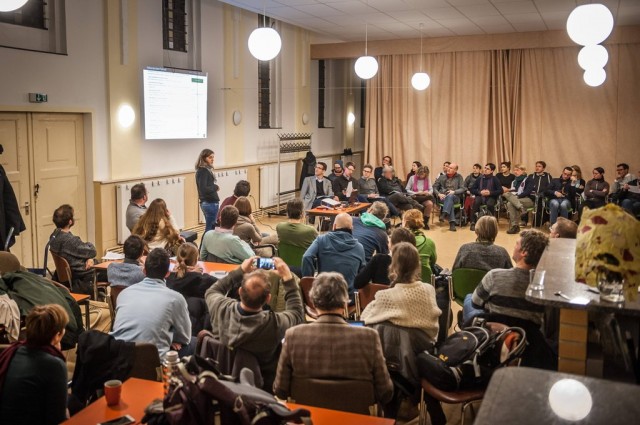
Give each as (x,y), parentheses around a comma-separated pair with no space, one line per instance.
(169,367)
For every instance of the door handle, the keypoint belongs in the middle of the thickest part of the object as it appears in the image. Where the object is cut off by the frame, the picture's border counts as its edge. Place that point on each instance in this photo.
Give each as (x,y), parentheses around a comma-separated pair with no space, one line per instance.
(26,207)
(36,188)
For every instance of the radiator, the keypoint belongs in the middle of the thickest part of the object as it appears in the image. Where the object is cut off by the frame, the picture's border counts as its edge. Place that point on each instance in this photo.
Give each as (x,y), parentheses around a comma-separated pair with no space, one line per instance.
(171,189)
(269,183)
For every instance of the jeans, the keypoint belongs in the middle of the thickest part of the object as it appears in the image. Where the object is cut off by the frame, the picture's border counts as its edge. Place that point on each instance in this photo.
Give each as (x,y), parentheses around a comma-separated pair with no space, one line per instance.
(468,310)
(210,211)
(558,205)
(188,348)
(448,206)
(631,205)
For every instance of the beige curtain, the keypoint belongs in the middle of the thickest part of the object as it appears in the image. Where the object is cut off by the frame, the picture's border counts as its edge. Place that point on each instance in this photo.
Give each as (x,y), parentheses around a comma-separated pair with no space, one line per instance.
(518,105)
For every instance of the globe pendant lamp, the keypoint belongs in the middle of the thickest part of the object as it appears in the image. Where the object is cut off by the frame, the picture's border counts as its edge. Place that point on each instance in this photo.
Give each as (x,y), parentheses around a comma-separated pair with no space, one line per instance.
(420,80)
(264,42)
(593,56)
(366,66)
(11,5)
(590,24)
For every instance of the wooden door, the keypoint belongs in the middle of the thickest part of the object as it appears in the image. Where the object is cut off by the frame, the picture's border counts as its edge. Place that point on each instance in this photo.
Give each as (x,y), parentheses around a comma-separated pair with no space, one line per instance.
(15,160)
(58,171)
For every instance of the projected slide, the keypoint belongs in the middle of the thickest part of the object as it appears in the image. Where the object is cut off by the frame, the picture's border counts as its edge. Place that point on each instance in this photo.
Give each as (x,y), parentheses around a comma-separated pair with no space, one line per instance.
(175,104)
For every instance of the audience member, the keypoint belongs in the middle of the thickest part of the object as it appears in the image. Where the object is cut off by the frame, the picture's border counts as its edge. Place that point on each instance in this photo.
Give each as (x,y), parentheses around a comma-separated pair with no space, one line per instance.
(420,189)
(344,184)
(315,188)
(246,324)
(412,220)
(445,169)
(150,312)
(483,254)
(449,188)
(503,291)
(294,232)
(33,373)
(377,269)
(541,181)
(390,187)
(369,189)
(519,199)
(596,190)
(468,184)
(242,188)
(563,228)
(409,302)
(78,254)
(486,189)
(247,230)
(137,205)
(207,188)
(623,177)
(561,195)
(220,244)
(129,271)
(158,228)
(386,162)
(370,230)
(337,170)
(577,180)
(188,277)
(331,349)
(505,177)
(414,168)
(631,196)
(336,251)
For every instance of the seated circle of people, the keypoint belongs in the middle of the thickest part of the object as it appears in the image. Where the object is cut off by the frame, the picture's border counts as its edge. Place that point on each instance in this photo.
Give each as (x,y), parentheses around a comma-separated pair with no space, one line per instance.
(371,231)
(247,324)
(369,190)
(241,189)
(449,188)
(336,251)
(158,228)
(420,189)
(129,271)
(391,188)
(502,291)
(408,302)
(483,254)
(221,245)
(563,228)
(151,312)
(329,348)
(486,190)
(412,220)
(33,372)
(137,205)
(377,269)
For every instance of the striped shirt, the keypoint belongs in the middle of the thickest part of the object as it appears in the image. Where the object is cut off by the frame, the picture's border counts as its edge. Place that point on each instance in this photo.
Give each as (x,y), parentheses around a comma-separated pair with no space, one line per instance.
(502,292)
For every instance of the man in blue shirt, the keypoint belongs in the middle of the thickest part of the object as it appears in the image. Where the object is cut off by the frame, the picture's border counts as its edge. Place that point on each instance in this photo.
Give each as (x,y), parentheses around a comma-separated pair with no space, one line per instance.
(150,312)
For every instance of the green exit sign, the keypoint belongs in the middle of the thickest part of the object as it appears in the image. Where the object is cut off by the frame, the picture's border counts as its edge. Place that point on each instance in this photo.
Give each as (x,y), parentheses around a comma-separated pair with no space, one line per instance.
(37,97)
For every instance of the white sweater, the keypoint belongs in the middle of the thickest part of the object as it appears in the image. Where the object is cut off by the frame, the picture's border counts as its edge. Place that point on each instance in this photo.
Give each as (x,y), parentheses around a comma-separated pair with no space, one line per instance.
(411,305)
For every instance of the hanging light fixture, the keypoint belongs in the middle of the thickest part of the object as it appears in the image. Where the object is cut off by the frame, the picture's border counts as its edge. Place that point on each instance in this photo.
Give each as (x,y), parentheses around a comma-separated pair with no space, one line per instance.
(366,66)
(590,24)
(264,42)
(594,77)
(593,56)
(11,5)
(420,80)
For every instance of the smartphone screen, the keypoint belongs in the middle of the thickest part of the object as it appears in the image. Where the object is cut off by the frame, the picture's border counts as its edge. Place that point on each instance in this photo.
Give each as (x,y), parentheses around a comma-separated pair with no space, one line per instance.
(122,420)
(264,263)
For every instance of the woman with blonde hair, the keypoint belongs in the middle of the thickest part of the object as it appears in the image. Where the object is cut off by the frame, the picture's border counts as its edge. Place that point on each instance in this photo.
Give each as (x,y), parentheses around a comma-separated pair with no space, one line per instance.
(409,302)
(157,227)
(33,373)
(414,221)
(187,276)
(483,254)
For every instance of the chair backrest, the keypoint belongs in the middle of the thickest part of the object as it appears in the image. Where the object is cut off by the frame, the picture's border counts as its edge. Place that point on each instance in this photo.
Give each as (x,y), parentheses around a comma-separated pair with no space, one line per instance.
(465,282)
(346,395)
(146,364)
(63,270)
(114,292)
(305,285)
(366,294)
(290,254)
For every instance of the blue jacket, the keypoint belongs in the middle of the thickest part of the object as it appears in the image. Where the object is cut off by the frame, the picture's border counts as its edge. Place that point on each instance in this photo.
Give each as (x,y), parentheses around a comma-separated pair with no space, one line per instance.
(336,251)
(371,232)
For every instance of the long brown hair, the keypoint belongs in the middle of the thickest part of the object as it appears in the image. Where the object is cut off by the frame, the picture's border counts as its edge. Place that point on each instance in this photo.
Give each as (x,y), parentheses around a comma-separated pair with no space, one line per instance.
(187,257)
(200,162)
(244,206)
(405,263)
(148,225)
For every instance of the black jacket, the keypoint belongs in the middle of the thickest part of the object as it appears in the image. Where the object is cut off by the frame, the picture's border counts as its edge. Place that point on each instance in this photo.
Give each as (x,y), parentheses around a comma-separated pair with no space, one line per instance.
(541,182)
(9,211)
(564,186)
(207,187)
(387,187)
(308,167)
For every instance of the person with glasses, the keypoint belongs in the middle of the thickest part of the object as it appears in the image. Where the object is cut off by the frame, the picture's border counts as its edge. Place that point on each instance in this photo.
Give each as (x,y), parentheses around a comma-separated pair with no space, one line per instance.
(562,196)
(623,176)
(596,190)
(631,196)
(386,161)
(345,184)
(486,189)
(315,188)
(337,171)
(369,190)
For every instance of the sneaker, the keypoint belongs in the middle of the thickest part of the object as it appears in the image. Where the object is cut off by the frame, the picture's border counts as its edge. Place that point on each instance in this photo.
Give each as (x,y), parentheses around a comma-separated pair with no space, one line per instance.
(452,226)
(473,227)
(513,230)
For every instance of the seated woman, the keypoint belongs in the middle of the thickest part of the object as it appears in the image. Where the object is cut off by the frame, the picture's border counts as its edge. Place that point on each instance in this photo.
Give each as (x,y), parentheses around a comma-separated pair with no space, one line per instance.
(33,373)
(188,277)
(414,169)
(158,228)
(247,230)
(412,220)
(128,272)
(596,190)
(377,269)
(577,180)
(408,302)
(420,189)
(483,254)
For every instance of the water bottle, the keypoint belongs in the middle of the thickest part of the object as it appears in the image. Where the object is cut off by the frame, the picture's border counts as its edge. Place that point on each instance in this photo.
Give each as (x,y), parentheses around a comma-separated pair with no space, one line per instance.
(169,368)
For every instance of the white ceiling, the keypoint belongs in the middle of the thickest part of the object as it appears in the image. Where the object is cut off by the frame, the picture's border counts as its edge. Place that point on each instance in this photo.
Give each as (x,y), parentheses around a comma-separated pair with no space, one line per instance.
(344,20)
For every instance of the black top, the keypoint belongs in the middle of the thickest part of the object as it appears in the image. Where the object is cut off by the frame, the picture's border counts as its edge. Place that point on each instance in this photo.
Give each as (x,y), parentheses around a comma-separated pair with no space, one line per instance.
(319,188)
(207,187)
(192,284)
(389,186)
(375,271)
(340,184)
(505,181)
(34,390)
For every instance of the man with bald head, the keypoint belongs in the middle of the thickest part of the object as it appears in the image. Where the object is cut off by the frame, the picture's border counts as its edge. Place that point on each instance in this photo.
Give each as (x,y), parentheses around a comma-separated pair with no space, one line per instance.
(449,188)
(248,324)
(336,251)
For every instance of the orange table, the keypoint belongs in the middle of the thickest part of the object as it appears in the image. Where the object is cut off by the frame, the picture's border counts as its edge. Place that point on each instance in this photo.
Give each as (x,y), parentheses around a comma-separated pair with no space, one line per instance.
(207,266)
(83,299)
(138,393)
(332,212)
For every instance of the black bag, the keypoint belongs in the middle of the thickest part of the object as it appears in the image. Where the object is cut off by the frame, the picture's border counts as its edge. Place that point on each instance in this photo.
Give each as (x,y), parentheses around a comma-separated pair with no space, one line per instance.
(468,358)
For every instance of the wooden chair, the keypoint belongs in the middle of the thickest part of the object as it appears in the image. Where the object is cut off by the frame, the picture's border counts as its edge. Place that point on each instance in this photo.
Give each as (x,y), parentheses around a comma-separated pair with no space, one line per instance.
(365,295)
(305,285)
(347,395)
(65,275)
(146,364)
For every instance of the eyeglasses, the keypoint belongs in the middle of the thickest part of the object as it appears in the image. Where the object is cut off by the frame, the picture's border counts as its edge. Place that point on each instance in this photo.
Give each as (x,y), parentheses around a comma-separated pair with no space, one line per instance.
(351,169)
(366,171)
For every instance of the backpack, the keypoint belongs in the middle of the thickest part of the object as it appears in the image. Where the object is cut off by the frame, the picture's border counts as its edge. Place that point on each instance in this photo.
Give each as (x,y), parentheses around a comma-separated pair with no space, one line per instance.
(468,358)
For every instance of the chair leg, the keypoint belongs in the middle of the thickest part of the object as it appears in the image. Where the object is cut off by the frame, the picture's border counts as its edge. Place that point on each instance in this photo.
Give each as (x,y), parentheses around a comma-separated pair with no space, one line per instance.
(422,410)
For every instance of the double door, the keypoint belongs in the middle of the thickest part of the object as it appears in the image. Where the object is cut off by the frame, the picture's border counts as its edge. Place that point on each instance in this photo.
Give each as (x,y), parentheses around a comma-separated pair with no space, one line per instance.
(44,161)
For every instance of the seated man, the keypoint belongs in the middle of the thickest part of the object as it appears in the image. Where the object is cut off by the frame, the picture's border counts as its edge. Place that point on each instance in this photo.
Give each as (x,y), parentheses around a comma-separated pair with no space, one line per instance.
(220,244)
(242,188)
(369,190)
(486,189)
(391,187)
(369,229)
(331,349)
(136,206)
(246,324)
(468,184)
(150,312)
(631,196)
(343,185)
(337,170)
(541,181)
(502,291)
(78,254)
(623,177)
(449,188)
(294,232)
(518,200)
(336,251)
(562,196)
(315,188)
(129,271)
(563,228)
(386,162)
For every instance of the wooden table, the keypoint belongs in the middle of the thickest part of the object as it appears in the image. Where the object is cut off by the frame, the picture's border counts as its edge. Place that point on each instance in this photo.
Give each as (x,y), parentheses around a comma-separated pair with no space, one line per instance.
(332,212)
(84,300)
(139,393)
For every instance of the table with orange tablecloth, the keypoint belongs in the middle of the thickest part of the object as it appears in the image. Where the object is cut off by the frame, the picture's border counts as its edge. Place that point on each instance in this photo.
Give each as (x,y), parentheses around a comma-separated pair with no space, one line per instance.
(207,266)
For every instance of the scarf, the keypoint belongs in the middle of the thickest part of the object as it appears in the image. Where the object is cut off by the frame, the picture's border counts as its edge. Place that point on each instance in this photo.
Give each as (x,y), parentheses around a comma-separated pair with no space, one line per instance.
(7,355)
(415,184)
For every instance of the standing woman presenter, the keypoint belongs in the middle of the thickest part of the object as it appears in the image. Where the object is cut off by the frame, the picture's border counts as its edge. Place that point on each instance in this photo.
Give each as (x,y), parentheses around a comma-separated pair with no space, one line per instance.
(207,188)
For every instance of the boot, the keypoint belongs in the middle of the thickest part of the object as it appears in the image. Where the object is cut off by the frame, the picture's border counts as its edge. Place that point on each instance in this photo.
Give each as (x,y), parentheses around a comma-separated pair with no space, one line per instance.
(452,226)
(513,230)
(426,222)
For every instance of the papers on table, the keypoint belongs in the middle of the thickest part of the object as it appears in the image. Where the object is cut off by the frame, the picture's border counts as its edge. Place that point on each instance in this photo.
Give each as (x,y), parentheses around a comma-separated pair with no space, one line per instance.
(111,256)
